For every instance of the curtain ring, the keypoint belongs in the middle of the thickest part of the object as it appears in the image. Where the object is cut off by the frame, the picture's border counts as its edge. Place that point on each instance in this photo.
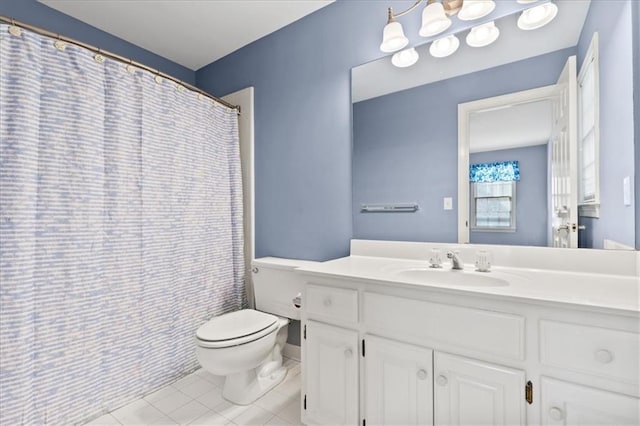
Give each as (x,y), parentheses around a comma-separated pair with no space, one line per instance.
(98,57)
(158,77)
(14,30)
(130,68)
(59,44)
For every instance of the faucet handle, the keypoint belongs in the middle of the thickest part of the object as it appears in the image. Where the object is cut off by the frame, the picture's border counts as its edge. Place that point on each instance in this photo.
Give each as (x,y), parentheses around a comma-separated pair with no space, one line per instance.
(435,261)
(483,261)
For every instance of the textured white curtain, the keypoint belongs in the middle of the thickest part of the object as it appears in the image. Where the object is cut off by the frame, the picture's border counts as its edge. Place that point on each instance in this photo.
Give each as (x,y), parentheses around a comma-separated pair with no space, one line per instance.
(120,229)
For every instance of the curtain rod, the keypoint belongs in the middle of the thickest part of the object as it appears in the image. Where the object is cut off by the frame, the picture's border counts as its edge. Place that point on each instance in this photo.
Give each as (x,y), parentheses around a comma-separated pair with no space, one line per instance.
(115,56)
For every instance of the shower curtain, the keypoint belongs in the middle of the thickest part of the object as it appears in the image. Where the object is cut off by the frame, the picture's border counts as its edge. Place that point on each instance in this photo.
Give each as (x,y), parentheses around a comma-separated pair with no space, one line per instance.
(120,229)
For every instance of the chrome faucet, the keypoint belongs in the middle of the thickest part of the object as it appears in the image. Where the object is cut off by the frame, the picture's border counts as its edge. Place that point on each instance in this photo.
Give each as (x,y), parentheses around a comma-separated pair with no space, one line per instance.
(456,263)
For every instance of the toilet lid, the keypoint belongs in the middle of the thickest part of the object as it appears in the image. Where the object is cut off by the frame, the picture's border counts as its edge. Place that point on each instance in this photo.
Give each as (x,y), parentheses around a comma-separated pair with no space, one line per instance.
(235,325)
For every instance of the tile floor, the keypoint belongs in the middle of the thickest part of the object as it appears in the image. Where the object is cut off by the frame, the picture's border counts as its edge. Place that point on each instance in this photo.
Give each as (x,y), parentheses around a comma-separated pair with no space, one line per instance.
(197,400)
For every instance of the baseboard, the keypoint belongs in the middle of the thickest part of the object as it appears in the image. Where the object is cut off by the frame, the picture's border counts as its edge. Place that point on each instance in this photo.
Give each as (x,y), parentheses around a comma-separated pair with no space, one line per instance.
(291,351)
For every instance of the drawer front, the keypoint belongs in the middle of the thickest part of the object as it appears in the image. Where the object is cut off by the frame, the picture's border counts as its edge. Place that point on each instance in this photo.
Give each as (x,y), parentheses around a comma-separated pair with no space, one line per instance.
(333,303)
(608,353)
(480,330)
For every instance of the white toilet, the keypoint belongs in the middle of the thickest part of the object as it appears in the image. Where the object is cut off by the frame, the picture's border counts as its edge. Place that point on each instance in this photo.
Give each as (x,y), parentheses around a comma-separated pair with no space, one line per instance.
(246,345)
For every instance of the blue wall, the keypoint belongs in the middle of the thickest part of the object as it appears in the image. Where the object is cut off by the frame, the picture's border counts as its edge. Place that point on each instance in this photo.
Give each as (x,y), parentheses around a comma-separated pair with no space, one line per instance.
(35,13)
(613,21)
(301,76)
(405,147)
(531,197)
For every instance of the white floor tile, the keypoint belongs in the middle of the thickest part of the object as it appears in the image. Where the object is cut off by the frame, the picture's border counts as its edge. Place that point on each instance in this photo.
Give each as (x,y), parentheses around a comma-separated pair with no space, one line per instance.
(161,394)
(291,412)
(212,378)
(107,419)
(172,402)
(278,421)
(186,381)
(211,399)
(274,401)
(197,399)
(290,386)
(188,413)
(164,421)
(210,418)
(254,416)
(138,412)
(197,387)
(231,411)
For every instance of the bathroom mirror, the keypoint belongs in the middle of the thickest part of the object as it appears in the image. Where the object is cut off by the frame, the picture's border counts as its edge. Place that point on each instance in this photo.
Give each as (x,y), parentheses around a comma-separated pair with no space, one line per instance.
(406,131)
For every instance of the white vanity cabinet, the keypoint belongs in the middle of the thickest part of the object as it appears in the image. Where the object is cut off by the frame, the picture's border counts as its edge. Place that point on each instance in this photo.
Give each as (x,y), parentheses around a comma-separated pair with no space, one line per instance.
(331,372)
(397,383)
(378,353)
(469,392)
(569,404)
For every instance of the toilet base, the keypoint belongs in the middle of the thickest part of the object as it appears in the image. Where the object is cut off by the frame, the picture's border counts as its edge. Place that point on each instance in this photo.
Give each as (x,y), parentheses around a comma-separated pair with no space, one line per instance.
(246,387)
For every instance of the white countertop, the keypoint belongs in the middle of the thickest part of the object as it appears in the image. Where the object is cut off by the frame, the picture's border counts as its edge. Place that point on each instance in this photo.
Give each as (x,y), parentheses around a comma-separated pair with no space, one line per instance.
(606,291)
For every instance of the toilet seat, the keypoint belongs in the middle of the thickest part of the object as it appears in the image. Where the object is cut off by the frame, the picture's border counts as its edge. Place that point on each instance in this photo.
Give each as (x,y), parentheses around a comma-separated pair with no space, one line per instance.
(236,328)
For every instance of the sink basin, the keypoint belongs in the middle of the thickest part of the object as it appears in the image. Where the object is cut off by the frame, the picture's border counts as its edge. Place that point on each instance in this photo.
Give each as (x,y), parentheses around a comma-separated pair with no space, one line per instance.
(449,277)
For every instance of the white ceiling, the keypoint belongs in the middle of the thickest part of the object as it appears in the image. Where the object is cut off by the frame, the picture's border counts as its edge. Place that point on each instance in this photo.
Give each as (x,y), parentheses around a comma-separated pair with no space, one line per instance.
(380,77)
(514,126)
(190,32)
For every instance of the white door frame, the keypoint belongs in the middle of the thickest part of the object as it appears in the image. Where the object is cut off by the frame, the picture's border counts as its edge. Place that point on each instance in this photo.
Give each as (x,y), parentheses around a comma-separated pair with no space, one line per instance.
(246,130)
(464,119)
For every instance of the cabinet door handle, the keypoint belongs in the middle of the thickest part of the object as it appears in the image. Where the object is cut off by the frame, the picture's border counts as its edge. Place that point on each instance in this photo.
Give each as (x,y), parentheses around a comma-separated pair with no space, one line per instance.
(327,301)
(604,356)
(442,380)
(348,353)
(556,414)
(422,374)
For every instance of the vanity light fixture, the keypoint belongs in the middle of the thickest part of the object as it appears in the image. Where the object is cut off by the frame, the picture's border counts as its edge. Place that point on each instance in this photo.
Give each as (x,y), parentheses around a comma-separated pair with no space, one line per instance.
(444,46)
(476,9)
(483,35)
(405,58)
(393,37)
(537,16)
(434,20)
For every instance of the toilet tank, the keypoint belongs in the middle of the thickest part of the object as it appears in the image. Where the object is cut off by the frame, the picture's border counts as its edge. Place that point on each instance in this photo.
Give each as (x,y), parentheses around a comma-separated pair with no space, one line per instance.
(276,284)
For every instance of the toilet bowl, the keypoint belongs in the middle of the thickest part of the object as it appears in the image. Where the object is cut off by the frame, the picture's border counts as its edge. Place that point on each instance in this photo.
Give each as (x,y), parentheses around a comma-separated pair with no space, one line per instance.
(246,346)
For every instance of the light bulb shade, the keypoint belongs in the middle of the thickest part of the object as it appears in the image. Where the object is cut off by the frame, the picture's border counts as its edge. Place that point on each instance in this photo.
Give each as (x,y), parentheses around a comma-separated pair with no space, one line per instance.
(537,16)
(405,58)
(444,46)
(434,20)
(476,9)
(393,37)
(483,35)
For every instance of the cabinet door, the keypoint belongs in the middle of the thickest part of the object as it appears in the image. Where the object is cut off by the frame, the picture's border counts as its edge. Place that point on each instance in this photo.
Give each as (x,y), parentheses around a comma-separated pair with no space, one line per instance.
(398,383)
(568,404)
(470,392)
(331,375)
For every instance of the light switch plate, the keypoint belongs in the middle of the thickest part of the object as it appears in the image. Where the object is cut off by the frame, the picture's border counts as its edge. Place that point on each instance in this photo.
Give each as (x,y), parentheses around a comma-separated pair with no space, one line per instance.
(626,190)
(448,203)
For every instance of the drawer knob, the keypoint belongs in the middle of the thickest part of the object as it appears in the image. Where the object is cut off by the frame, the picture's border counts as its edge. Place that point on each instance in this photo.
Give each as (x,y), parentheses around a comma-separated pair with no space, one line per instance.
(604,356)
(327,302)
(422,374)
(348,353)
(556,414)
(442,380)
